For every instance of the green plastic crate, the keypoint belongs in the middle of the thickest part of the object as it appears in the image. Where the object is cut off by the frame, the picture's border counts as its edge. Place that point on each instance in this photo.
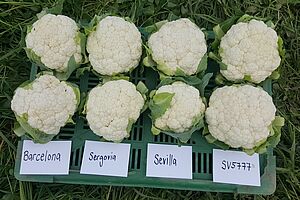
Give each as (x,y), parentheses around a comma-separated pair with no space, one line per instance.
(139,138)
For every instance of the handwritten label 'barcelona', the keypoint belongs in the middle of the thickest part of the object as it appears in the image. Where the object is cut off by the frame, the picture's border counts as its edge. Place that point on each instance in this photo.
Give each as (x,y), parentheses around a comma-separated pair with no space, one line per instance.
(51,158)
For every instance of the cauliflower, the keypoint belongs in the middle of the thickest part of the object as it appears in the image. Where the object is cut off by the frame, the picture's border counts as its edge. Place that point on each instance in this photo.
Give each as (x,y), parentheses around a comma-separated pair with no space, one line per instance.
(177,110)
(250,51)
(115,46)
(112,108)
(178,48)
(43,106)
(241,116)
(54,41)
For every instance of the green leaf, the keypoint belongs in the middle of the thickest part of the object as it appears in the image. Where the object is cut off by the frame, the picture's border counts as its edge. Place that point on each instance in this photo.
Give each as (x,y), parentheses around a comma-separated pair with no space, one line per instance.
(249,151)
(148,62)
(185,136)
(220,80)
(247,78)
(267,86)
(210,138)
(275,139)
(83,110)
(153,28)
(57,8)
(168,81)
(91,27)
(80,71)
(33,57)
(219,33)
(161,66)
(245,18)
(81,39)
(278,121)
(36,135)
(281,49)
(154,130)
(227,24)
(275,75)
(204,83)
(72,66)
(141,87)
(76,91)
(129,126)
(27,85)
(270,24)
(28,29)
(113,78)
(83,100)
(202,66)
(160,103)
(179,72)
(272,140)
(218,59)
(70,120)
(18,130)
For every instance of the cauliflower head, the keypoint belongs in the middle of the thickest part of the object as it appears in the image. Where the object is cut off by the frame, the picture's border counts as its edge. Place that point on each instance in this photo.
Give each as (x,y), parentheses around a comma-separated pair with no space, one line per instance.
(53,40)
(178,45)
(43,106)
(112,108)
(115,46)
(240,116)
(249,50)
(176,108)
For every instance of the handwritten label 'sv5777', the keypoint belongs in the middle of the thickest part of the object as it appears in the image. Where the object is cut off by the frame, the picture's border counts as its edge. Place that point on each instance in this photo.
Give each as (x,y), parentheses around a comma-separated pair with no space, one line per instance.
(236,167)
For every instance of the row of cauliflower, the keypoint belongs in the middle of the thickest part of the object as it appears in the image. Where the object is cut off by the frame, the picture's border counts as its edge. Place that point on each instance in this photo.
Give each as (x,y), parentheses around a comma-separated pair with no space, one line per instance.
(249,50)
(239,116)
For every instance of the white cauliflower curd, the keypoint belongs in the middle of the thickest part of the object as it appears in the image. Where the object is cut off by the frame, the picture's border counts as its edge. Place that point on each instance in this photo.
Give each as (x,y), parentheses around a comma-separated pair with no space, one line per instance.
(176,109)
(240,116)
(52,41)
(112,108)
(178,45)
(115,46)
(45,105)
(250,51)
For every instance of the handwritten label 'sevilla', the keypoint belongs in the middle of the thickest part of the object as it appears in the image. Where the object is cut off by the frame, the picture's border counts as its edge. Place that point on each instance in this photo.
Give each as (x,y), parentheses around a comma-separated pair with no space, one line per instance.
(166,160)
(169,161)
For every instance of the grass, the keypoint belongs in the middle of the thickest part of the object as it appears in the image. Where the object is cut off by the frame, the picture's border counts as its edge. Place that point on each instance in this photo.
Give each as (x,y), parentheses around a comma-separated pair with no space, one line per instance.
(14,69)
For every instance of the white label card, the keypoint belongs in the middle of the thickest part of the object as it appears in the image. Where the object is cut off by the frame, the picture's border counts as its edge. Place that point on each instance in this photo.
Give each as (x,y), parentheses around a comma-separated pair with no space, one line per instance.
(51,158)
(105,158)
(235,167)
(169,161)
